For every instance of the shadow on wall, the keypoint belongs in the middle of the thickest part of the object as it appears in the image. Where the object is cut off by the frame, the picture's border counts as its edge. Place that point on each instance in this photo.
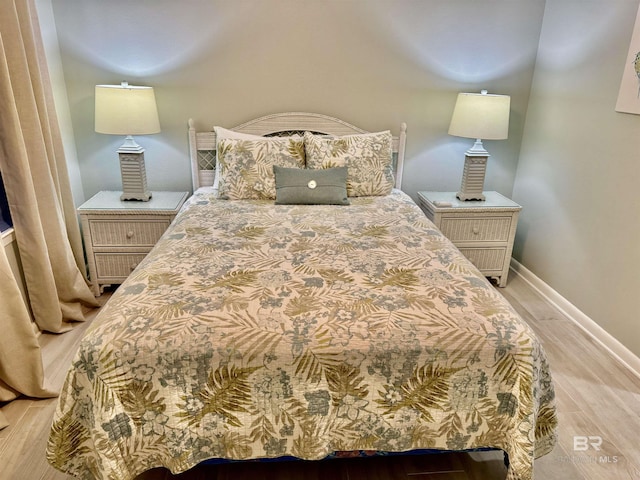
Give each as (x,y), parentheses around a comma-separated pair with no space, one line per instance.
(146,41)
(464,53)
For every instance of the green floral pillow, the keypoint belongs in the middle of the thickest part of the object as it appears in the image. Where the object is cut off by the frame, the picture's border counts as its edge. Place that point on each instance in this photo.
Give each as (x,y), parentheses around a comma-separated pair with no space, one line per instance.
(246,166)
(366,156)
(224,133)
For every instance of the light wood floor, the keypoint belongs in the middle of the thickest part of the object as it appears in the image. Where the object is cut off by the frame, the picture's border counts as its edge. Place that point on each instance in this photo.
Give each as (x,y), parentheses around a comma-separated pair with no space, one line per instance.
(597,398)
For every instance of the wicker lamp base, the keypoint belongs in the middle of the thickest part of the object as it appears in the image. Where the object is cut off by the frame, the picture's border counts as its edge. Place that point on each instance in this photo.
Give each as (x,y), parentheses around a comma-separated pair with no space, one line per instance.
(134,176)
(473,177)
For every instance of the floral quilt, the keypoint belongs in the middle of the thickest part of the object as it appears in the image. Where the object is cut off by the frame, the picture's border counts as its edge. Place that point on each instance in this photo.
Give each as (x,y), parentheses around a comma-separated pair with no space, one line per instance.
(257,330)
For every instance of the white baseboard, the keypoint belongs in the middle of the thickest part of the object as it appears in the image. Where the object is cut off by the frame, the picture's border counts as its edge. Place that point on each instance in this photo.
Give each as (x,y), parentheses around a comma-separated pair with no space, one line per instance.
(604,338)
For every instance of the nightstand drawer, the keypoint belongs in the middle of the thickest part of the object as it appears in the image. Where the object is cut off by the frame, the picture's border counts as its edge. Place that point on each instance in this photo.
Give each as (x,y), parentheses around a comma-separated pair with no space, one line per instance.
(118,234)
(484,231)
(486,259)
(117,265)
(125,233)
(476,228)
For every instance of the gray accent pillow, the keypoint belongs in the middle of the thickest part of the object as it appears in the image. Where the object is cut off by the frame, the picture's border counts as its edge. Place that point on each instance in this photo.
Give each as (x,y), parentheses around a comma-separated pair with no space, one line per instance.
(311,187)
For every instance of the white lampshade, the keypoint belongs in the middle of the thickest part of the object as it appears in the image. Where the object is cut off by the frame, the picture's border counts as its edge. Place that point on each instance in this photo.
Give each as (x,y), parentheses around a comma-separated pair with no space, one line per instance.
(126,110)
(481,115)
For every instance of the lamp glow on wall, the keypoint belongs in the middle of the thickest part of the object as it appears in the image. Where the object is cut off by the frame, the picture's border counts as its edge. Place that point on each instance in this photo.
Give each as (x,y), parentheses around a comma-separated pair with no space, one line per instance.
(128,110)
(481,116)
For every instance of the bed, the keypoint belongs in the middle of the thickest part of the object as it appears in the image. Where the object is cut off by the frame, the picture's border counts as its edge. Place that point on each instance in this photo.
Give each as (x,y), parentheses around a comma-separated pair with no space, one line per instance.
(259,330)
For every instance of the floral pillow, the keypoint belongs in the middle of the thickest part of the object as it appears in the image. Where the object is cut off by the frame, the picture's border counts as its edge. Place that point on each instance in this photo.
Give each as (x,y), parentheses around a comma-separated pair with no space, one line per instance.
(223,134)
(246,166)
(367,158)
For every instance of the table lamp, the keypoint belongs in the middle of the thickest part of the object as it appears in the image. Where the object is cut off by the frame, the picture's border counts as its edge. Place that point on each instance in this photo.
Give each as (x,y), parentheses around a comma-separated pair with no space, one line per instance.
(481,116)
(128,110)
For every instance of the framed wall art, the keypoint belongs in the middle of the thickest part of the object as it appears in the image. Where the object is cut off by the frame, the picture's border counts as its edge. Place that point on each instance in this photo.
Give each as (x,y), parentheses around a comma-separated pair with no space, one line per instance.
(629,94)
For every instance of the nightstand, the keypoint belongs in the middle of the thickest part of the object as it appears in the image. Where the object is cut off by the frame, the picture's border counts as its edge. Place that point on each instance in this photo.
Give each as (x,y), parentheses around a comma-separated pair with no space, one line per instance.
(484,231)
(118,234)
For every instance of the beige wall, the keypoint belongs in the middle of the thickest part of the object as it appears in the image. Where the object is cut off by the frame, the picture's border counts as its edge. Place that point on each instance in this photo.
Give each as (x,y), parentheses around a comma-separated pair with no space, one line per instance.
(578,174)
(374,63)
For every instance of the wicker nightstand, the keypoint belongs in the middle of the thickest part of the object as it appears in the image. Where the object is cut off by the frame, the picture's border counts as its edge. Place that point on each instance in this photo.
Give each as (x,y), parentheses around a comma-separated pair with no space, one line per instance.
(484,231)
(119,234)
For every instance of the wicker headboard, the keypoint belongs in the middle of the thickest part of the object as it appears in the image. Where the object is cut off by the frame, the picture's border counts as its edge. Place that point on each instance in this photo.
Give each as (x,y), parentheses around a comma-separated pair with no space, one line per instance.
(202,145)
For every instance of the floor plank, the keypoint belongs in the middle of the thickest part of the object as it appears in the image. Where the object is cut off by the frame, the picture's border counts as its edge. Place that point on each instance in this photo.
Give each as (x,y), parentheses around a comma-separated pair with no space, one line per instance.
(28,442)
(13,411)
(597,396)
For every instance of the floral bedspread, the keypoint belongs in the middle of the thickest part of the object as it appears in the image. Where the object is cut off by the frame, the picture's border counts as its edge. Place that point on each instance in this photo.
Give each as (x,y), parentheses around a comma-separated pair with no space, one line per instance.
(258,330)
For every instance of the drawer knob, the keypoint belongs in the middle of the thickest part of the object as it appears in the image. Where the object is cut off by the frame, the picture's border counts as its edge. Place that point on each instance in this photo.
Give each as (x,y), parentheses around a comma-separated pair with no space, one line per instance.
(476,230)
(130,234)
(133,267)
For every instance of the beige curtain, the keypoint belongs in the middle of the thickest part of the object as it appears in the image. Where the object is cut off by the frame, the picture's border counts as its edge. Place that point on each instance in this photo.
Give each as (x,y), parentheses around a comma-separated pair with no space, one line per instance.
(20,359)
(35,175)
(34,171)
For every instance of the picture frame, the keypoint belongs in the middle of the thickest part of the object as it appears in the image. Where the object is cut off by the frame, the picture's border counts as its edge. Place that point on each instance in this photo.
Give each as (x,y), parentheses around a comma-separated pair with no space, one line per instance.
(629,94)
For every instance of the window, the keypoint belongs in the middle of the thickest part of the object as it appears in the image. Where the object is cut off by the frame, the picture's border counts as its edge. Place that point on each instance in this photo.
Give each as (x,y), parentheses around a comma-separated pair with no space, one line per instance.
(5,215)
